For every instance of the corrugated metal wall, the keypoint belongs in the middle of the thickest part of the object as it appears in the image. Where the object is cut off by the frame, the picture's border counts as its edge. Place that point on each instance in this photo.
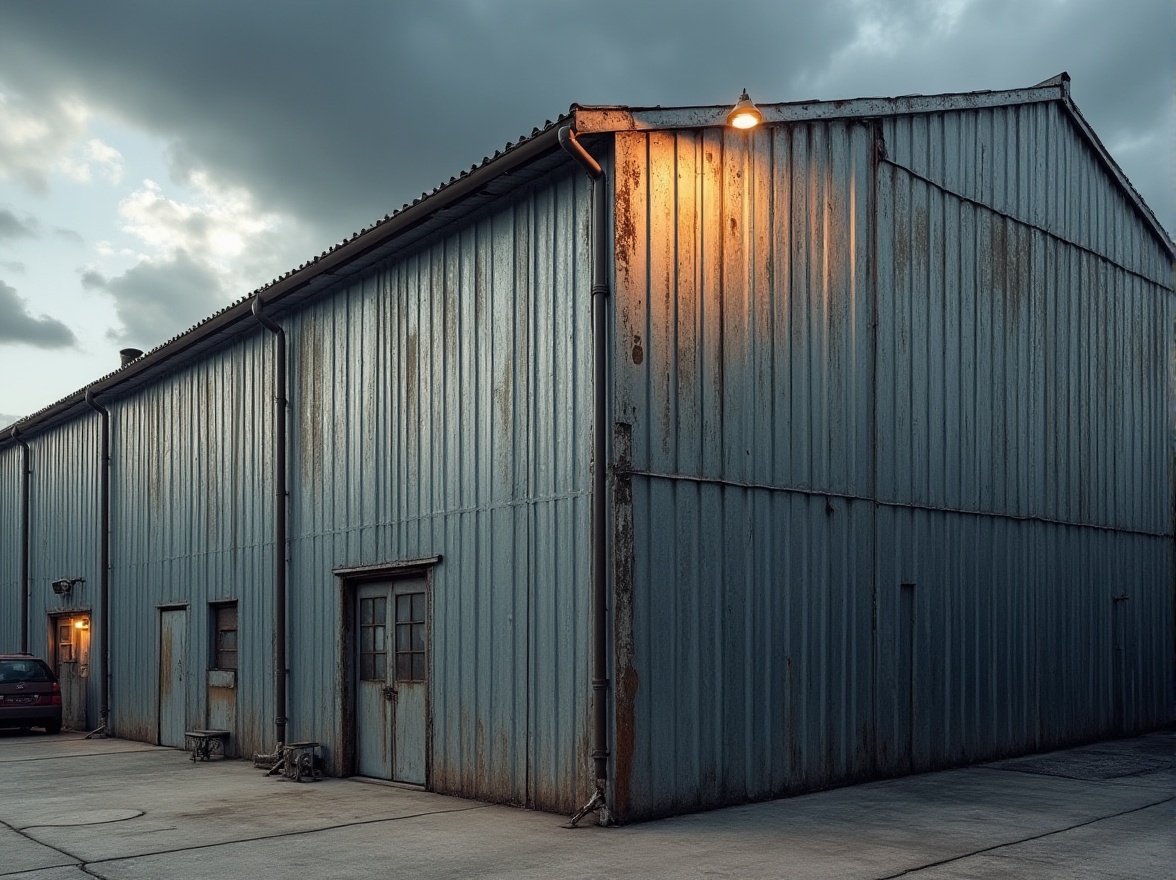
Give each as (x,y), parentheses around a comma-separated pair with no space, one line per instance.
(744,367)
(1019,372)
(984,487)
(437,407)
(63,531)
(441,410)
(191,523)
(1024,348)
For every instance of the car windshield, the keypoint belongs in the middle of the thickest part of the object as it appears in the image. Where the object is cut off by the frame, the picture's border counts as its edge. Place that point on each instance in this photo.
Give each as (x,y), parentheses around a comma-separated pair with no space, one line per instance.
(24,670)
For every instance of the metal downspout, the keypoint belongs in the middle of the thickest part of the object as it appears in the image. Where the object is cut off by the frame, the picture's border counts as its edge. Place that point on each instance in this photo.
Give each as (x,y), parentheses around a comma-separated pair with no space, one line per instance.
(104,568)
(600,294)
(25,471)
(279,520)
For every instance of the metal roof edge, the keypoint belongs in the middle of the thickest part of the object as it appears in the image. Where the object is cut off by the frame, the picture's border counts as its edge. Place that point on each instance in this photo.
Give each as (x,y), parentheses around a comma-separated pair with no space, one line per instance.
(597,119)
(470,182)
(1112,167)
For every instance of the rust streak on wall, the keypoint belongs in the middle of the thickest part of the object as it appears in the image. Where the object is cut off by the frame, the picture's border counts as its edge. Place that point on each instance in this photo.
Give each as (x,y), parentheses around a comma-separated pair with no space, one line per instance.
(627,681)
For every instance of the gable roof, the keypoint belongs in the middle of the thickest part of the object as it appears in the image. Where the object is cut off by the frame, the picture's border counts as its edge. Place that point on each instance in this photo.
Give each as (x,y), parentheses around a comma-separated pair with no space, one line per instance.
(519,163)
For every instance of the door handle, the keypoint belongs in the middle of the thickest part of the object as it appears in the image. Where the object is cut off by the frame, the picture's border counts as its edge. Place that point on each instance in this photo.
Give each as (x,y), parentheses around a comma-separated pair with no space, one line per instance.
(389,693)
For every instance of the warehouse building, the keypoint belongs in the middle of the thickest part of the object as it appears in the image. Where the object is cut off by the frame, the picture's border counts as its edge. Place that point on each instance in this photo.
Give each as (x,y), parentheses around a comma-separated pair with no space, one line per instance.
(650,465)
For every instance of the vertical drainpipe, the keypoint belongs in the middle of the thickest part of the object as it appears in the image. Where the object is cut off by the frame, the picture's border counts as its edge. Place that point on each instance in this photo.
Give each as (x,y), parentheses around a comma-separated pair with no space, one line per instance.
(600,294)
(104,565)
(25,471)
(279,519)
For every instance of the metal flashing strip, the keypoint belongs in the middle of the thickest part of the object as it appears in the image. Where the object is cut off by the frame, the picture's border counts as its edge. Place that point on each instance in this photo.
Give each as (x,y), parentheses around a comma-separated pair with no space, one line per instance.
(386,568)
(589,120)
(883,502)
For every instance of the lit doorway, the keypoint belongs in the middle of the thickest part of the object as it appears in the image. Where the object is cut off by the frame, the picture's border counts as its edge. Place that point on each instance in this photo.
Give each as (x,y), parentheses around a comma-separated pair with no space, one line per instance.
(70,657)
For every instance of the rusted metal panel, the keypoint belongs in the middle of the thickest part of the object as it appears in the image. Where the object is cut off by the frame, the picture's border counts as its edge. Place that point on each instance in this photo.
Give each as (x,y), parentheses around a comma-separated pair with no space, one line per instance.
(744,359)
(1024,326)
(439,411)
(743,339)
(854,540)
(190,525)
(1032,162)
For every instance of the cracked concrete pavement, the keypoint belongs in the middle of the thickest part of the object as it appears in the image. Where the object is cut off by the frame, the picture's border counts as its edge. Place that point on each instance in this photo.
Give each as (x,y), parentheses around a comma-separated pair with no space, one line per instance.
(72,808)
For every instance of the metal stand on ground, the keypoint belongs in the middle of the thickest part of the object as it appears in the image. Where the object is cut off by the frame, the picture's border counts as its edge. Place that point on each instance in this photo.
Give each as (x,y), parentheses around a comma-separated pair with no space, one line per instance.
(597,805)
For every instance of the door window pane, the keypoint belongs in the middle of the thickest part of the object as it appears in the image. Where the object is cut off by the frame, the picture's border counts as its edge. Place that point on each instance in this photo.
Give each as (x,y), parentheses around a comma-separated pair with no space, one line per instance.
(373,652)
(410,637)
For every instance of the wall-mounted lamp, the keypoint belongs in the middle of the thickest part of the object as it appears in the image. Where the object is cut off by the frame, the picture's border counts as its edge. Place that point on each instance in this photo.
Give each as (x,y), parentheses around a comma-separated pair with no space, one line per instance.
(744,114)
(65,585)
(81,624)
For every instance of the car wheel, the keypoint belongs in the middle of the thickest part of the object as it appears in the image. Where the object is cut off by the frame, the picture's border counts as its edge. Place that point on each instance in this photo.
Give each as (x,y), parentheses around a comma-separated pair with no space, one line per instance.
(53,727)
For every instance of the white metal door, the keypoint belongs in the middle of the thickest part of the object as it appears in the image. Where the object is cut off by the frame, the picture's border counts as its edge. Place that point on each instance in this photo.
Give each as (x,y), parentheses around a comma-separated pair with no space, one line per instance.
(173,648)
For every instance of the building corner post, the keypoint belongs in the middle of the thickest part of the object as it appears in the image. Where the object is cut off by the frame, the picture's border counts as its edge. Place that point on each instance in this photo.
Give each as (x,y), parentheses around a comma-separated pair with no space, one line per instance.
(599,527)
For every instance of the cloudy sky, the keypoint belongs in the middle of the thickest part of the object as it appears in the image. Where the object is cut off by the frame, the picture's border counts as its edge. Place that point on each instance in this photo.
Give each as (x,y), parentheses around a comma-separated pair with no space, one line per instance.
(159,160)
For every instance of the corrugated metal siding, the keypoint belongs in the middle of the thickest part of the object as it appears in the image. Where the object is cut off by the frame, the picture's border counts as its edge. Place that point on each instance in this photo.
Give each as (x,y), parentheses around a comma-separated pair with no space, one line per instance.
(1015,636)
(1019,373)
(744,306)
(191,523)
(1015,412)
(1027,162)
(439,409)
(63,530)
(10,470)
(752,626)
(744,353)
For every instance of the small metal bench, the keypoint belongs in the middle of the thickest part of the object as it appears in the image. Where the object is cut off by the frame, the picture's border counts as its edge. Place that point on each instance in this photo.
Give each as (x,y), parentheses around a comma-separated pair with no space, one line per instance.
(205,743)
(300,761)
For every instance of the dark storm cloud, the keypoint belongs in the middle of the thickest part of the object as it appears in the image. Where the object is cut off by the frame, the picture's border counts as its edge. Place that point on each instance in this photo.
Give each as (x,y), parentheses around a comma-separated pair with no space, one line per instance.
(18,325)
(155,300)
(340,113)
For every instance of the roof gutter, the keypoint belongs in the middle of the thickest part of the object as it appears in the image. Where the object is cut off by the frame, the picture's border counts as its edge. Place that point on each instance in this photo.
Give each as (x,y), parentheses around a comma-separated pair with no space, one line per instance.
(599,534)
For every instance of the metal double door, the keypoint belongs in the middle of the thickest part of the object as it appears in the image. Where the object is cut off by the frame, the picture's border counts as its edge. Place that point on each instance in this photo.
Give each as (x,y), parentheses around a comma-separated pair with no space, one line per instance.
(392,679)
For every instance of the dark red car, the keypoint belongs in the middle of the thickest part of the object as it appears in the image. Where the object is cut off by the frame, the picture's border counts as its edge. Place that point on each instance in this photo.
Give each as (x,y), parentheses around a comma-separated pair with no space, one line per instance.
(29,693)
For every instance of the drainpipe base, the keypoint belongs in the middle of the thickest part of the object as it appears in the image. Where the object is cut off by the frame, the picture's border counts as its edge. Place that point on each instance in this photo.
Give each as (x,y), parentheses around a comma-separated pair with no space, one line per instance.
(597,805)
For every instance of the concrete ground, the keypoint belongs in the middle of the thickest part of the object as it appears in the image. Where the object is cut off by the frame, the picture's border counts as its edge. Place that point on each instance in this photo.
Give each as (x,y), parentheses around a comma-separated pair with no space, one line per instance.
(72,808)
